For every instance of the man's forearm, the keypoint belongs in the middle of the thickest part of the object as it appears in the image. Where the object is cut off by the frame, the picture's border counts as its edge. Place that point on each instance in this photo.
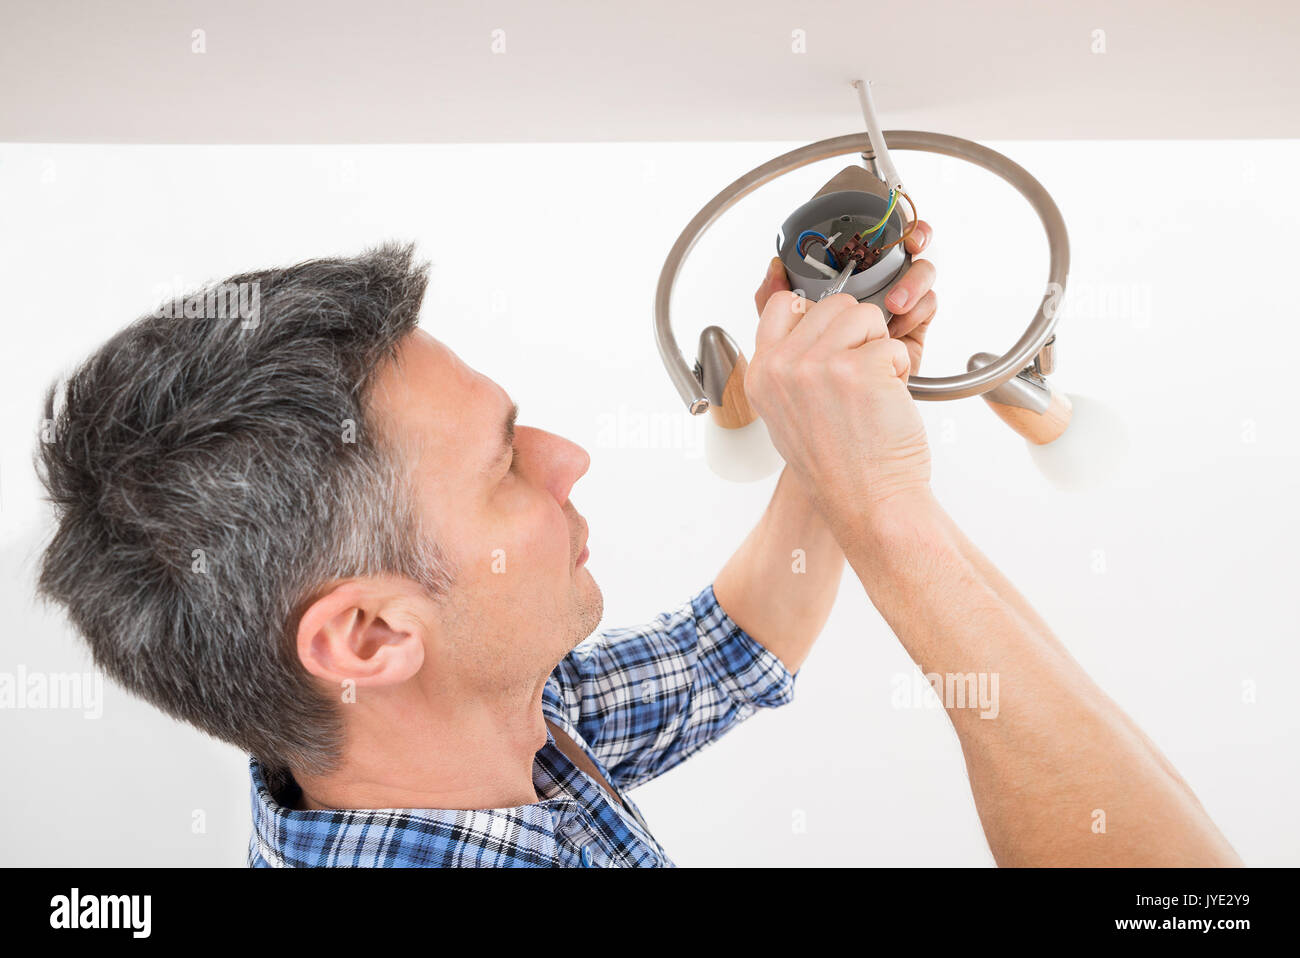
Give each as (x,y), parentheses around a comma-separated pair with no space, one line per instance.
(780,584)
(1058,755)
(1010,594)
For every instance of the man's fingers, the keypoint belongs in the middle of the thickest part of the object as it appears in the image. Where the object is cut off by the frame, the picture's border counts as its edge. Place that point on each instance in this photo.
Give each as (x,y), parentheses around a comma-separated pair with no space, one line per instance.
(860,323)
(819,317)
(773,281)
(782,313)
(916,282)
(922,312)
(919,238)
(889,354)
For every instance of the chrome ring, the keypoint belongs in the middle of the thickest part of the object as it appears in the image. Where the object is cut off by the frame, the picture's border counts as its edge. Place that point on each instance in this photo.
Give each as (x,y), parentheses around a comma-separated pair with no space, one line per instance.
(971,383)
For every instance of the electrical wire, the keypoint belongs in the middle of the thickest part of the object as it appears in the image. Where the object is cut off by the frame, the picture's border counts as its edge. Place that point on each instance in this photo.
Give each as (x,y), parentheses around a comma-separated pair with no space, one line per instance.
(802,248)
(830,257)
(820,267)
(911,226)
(870,234)
(799,243)
(877,137)
(908,230)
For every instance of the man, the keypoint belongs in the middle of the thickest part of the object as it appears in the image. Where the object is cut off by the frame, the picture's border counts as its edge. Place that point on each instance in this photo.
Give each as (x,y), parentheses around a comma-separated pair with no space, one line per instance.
(316,534)
(323,538)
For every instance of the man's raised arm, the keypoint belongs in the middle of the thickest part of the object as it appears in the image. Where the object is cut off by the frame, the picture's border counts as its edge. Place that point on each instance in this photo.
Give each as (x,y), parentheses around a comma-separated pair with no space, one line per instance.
(831,386)
(782,581)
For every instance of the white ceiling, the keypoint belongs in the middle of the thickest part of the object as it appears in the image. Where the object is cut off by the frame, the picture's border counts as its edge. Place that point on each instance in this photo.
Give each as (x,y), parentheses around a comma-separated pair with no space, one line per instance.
(319,71)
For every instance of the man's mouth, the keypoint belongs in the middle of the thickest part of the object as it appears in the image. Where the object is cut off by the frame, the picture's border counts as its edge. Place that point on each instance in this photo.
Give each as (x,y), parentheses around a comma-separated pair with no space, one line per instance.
(582,538)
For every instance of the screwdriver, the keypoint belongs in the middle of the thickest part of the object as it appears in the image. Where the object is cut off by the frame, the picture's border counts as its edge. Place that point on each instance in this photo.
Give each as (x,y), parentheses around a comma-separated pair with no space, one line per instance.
(840,281)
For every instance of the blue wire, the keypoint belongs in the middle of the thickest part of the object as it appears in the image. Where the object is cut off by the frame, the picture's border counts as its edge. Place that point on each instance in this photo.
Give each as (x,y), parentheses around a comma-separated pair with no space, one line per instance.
(799,242)
(825,243)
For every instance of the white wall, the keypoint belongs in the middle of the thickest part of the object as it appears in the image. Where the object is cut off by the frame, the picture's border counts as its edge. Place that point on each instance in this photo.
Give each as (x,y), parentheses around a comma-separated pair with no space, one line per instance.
(1171,578)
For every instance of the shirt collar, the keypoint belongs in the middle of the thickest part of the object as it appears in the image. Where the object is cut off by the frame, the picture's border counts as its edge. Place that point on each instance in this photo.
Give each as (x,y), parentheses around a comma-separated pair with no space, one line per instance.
(406,837)
(524,835)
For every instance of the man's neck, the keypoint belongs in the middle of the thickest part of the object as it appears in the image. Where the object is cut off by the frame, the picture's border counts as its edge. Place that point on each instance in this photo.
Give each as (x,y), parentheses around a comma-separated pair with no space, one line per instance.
(476,757)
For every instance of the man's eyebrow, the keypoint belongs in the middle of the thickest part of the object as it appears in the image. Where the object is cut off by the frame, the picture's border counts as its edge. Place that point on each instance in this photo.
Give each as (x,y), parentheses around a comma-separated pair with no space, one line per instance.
(508,433)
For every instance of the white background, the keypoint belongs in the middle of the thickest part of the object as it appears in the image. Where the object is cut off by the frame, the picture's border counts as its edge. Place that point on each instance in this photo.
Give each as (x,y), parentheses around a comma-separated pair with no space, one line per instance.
(1170,573)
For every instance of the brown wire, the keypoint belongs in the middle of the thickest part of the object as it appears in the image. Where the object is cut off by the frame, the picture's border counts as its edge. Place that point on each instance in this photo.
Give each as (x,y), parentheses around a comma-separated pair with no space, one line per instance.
(802,249)
(911,226)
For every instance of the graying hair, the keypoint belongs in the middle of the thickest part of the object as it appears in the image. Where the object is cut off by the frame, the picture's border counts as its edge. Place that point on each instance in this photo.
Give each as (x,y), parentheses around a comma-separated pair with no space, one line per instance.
(188,443)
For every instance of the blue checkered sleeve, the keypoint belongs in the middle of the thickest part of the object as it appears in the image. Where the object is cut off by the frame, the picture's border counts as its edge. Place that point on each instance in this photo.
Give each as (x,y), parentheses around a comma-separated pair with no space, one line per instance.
(646,699)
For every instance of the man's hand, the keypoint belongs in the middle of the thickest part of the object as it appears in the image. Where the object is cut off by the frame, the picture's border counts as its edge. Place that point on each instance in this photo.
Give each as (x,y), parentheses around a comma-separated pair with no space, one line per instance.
(785,611)
(911,293)
(830,381)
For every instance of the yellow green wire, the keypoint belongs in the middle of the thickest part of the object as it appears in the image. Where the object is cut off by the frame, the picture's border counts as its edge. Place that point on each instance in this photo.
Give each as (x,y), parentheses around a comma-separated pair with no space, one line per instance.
(893,201)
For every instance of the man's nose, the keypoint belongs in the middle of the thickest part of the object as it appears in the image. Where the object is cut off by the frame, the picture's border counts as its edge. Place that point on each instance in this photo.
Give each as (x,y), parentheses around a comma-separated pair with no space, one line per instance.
(562,463)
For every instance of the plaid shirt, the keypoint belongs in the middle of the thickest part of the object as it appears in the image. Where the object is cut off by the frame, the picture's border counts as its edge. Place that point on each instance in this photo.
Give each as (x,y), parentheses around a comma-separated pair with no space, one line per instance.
(637,701)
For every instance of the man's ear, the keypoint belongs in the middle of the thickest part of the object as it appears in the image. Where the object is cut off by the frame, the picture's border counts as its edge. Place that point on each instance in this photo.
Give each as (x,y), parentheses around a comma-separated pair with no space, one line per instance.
(365,631)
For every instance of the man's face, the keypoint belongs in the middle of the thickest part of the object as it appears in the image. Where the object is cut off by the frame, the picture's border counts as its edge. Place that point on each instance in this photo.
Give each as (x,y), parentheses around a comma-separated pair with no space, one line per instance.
(495,497)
